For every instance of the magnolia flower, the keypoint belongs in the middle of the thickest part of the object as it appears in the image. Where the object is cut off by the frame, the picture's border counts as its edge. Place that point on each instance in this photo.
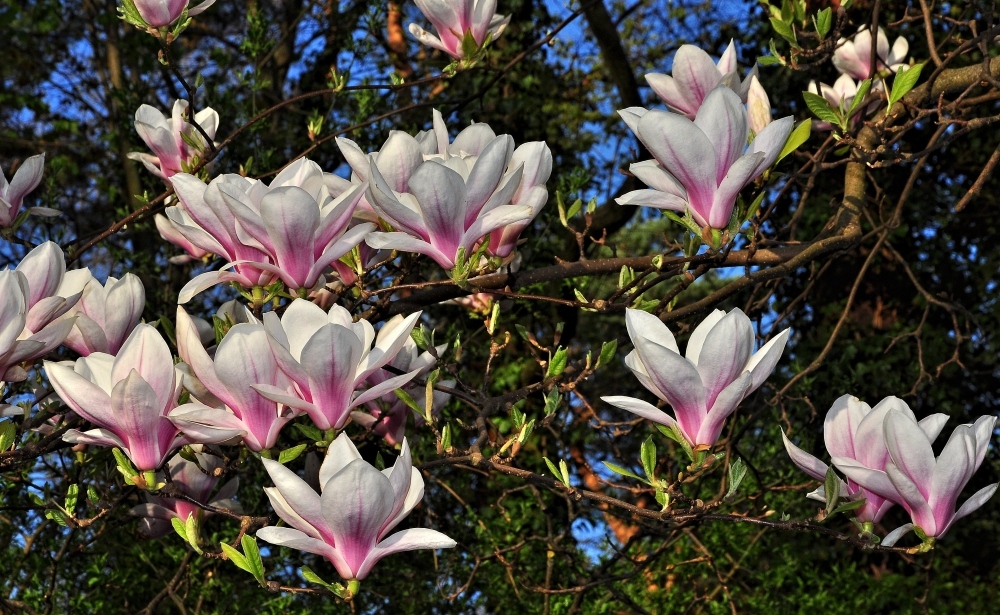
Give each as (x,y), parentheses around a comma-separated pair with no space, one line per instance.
(329,357)
(12,194)
(225,406)
(291,230)
(701,166)
(695,75)
(161,13)
(528,168)
(457,20)
(758,106)
(128,397)
(177,145)
(170,233)
(106,315)
(926,487)
(195,480)
(841,96)
(386,416)
(853,430)
(32,298)
(854,57)
(719,371)
(349,521)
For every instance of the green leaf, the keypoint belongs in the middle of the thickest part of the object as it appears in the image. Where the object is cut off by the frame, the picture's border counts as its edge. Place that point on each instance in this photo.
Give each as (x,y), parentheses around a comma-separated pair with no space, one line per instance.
(768,60)
(574,208)
(7,433)
(848,506)
(58,516)
(821,108)
(552,401)
(903,82)
(784,30)
(308,574)
(523,332)
(832,488)
(92,496)
(290,454)
(859,96)
(409,401)
(310,432)
(647,453)
(236,557)
(552,468)
(446,437)
(737,472)
(253,557)
(72,494)
(617,469)
(823,20)
(799,135)
(564,471)
(608,350)
(180,528)
(557,365)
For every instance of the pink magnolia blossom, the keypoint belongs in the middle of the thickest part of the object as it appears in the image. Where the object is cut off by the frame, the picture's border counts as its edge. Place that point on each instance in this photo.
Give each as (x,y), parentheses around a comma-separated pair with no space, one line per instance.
(225,406)
(695,75)
(853,430)
(161,13)
(128,397)
(106,315)
(720,369)
(700,166)
(330,359)
(32,298)
(927,487)
(349,521)
(175,142)
(12,194)
(853,57)
(455,19)
(195,480)
(386,416)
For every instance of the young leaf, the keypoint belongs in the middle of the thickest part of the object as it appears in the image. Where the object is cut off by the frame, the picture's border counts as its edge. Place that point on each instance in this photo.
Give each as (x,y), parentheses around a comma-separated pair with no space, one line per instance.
(859,96)
(821,108)
(552,401)
(235,557)
(72,494)
(310,432)
(308,574)
(608,350)
(903,82)
(798,136)
(647,453)
(737,472)
(832,488)
(558,363)
(552,468)
(289,454)
(823,21)
(253,558)
(617,469)
(7,433)
(784,30)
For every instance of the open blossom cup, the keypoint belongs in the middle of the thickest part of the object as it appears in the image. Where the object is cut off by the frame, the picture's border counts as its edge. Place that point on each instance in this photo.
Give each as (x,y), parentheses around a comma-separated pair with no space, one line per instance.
(704,387)
(350,520)
(700,166)
(129,397)
(853,430)
(853,57)
(454,20)
(695,74)
(162,13)
(176,144)
(12,194)
(106,315)
(927,487)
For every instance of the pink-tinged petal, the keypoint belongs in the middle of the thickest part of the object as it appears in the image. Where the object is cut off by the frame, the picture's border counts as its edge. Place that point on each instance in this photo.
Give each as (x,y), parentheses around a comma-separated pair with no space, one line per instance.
(43,267)
(494,219)
(932,425)
(123,309)
(291,218)
(295,495)
(770,142)
(876,481)
(442,16)
(398,159)
(700,333)
(914,501)
(504,195)
(893,537)
(353,237)
(339,454)
(407,540)
(45,311)
(147,353)
(387,386)
(355,158)
(190,349)
(763,362)
(400,476)
(695,73)
(356,502)
(727,63)
(974,503)
(650,172)
(198,10)
(679,383)
(841,425)
(95,437)
(204,281)
(137,410)
(472,140)
(330,358)
(910,450)
(666,88)
(952,470)
(804,461)
(658,200)
(403,242)
(295,539)
(849,60)
(385,203)
(281,396)
(723,406)
(723,119)
(536,158)
(207,425)
(641,408)
(83,396)
(982,431)
(426,38)
(644,326)
(897,55)
(725,353)
(868,443)
(243,358)
(441,193)
(739,175)
(685,152)
(631,117)
(390,341)
(27,178)
(484,178)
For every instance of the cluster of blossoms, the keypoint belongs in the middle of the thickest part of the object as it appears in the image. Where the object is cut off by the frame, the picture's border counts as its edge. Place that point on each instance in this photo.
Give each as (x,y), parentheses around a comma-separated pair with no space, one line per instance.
(853,59)
(886,455)
(703,155)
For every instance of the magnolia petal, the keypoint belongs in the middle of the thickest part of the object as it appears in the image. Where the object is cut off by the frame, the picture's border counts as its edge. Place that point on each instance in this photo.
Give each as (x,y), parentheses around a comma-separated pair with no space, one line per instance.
(407,540)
